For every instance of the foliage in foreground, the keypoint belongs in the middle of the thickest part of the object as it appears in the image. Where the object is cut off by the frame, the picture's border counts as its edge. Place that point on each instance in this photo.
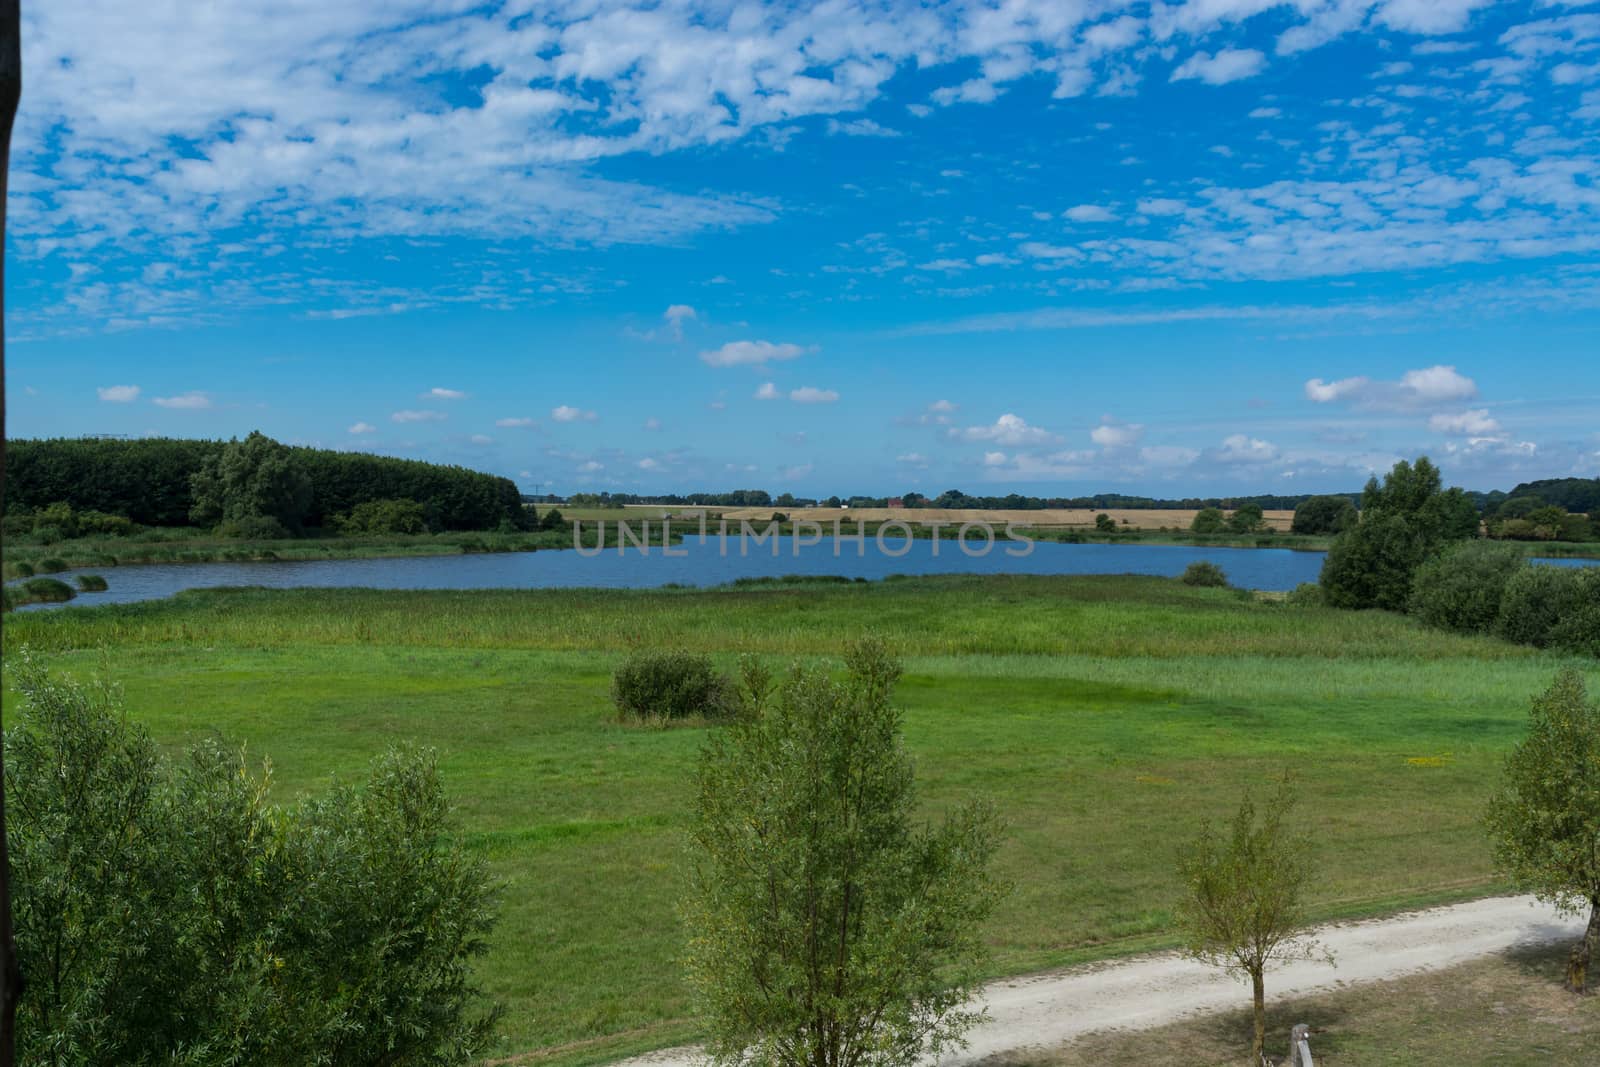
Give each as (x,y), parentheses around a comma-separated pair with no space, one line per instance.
(827,930)
(1544,822)
(1245,903)
(168,913)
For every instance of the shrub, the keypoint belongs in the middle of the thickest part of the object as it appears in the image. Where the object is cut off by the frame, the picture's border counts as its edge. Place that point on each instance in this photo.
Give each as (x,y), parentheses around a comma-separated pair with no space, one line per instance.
(1578,628)
(393,516)
(661,687)
(47,590)
(1207,521)
(48,535)
(1548,606)
(1104,523)
(1247,518)
(168,913)
(22,569)
(1205,574)
(1461,588)
(1305,595)
(254,528)
(91,583)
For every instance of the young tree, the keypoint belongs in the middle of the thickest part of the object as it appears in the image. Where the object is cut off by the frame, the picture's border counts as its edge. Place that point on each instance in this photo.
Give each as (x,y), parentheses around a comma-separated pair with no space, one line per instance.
(1207,521)
(1544,822)
(827,930)
(1104,523)
(1244,906)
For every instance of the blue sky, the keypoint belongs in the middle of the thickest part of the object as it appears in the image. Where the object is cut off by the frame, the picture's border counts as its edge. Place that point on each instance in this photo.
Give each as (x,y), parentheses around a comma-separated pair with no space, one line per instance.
(1050,247)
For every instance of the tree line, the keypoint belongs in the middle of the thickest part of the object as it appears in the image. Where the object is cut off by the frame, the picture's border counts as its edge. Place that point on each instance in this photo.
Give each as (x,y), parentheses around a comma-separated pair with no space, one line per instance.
(163,481)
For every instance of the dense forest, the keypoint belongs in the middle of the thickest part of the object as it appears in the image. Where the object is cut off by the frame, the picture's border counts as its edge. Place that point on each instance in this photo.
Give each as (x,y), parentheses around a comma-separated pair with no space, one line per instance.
(152,481)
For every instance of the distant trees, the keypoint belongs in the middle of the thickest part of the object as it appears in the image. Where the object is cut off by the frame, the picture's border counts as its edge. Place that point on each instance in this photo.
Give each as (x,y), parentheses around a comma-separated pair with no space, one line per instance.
(1246,518)
(1404,520)
(150,481)
(1544,821)
(166,912)
(827,929)
(1324,515)
(1207,521)
(1104,523)
(1244,906)
(248,480)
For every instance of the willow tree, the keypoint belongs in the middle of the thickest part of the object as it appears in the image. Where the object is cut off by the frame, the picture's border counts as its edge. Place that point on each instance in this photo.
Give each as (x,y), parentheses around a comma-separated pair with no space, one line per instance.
(1544,822)
(829,929)
(1245,902)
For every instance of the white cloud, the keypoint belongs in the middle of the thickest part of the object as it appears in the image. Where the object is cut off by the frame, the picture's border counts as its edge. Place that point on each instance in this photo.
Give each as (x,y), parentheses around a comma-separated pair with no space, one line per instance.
(1473,423)
(1429,16)
(437,393)
(118,394)
(1010,430)
(912,459)
(750,353)
(946,265)
(419,416)
(675,316)
(808,394)
(767,391)
(481,439)
(190,401)
(1241,449)
(1227,65)
(523,423)
(648,464)
(943,407)
(652,424)
(1266,113)
(860,128)
(591,466)
(565,413)
(994,459)
(362,428)
(1088,213)
(1427,387)
(1113,434)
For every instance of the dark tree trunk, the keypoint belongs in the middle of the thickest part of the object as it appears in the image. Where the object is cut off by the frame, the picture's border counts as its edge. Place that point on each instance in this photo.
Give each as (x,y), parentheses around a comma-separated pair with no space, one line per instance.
(10,93)
(1259,988)
(1584,951)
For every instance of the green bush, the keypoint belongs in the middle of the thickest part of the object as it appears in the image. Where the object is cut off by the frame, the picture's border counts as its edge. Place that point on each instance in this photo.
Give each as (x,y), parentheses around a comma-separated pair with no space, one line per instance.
(47,590)
(254,528)
(22,569)
(167,912)
(1208,521)
(390,517)
(1461,588)
(91,583)
(1324,515)
(1552,607)
(660,687)
(52,565)
(1202,573)
(1306,595)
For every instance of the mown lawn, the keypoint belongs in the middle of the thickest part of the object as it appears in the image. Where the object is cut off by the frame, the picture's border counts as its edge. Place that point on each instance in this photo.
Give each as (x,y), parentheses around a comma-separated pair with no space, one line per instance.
(1106,716)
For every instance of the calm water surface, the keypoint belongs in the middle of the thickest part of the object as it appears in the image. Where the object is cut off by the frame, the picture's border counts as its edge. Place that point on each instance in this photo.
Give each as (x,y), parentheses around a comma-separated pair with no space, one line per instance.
(707,564)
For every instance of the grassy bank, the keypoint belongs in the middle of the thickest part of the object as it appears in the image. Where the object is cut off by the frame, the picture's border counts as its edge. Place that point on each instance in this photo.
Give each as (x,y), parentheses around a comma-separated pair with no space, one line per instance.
(1104,714)
(189,545)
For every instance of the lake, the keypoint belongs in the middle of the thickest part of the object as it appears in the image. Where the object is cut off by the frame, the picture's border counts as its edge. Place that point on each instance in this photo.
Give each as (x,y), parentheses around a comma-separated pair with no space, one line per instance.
(706,565)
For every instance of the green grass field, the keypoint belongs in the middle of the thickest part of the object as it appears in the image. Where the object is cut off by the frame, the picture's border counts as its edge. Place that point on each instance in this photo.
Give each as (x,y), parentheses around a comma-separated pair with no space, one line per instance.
(1106,716)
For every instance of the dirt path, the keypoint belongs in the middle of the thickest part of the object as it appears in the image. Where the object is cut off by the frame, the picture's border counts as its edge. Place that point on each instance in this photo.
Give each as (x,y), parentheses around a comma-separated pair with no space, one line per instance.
(1049,1009)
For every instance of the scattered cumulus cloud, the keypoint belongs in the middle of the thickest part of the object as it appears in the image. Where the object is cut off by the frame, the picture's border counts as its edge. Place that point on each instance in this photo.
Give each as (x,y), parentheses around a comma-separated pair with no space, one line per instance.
(421,415)
(1427,387)
(118,394)
(437,393)
(1227,65)
(1010,430)
(363,428)
(190,401)
(567,413)
(751,353)
(809,394)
